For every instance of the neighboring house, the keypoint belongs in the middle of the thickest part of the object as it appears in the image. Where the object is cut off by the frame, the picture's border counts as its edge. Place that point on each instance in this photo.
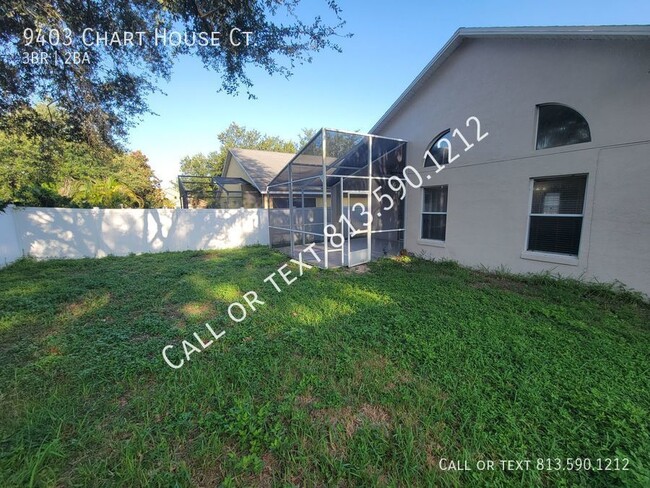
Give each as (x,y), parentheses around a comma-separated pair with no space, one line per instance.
(243,182)
(256,167)
(560,180)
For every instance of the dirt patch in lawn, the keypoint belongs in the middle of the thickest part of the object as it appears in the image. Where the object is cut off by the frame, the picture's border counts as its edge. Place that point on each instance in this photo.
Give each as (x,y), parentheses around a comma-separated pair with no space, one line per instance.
(378,367)
(265,478)
(171,313)
(123,401)
(305,400)
(205,477)
(489,281)
(350,419)
(89,303)
(198,309)
(210,473)
(343,416)
(401,377)
(360,269)
(375,414)
(376,361)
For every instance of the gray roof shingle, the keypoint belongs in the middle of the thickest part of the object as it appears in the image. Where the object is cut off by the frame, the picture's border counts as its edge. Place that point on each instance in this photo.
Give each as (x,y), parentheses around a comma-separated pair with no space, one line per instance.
(261,166)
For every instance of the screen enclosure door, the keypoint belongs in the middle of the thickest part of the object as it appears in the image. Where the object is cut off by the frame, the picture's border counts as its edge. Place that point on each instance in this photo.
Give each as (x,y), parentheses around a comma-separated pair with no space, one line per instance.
(356,230)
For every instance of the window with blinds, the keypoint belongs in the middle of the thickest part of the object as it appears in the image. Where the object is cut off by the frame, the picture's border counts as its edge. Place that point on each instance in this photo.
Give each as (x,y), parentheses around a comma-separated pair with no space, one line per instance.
(556,213)
(434,213)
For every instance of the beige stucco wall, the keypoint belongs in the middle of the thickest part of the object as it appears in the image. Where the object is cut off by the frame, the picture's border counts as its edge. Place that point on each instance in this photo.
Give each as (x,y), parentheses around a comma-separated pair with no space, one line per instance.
(501,82)
(235,170)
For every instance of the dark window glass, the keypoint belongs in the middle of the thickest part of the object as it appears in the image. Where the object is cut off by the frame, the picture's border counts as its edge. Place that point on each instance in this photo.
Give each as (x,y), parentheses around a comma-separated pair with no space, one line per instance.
(297,202)
(556,214)
(434,226)
(280,203)
(558,125)
(434,213)
(441,154)
(555,234)
(435,199)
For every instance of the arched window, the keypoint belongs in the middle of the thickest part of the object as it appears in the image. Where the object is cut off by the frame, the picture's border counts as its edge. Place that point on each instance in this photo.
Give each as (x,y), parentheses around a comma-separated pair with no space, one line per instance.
(559,125)
(437,152)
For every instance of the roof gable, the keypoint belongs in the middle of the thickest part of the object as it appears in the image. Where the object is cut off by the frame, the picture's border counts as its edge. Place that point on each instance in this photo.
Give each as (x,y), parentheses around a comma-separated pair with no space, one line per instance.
(261,166)
(618,32)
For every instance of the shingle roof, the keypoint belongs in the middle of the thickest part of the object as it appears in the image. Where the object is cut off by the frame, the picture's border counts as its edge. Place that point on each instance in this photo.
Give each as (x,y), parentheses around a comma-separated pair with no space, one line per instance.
(261,166)
(609,32)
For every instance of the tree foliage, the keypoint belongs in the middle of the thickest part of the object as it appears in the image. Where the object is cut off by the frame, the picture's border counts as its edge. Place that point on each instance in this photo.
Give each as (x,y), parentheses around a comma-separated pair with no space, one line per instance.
(106,93)
(235,135)
(305,136)
(200,164)
(53,171)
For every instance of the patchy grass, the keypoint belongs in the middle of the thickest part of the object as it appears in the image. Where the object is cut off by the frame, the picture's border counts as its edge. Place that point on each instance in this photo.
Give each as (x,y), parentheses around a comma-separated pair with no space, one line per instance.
(343,379)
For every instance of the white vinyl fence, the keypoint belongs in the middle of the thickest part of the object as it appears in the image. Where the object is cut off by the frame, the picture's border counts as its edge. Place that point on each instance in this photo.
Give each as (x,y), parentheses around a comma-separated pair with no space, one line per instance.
(74,233)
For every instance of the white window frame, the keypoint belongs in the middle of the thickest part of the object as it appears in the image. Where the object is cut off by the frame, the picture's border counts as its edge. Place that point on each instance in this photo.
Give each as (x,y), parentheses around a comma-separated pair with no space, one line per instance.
(560,258)
(432,242)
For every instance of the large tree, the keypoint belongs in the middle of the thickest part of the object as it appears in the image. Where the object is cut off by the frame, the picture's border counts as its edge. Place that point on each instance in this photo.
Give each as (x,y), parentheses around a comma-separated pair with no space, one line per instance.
(200,164)
(234,135)
(104,86)
(53,171)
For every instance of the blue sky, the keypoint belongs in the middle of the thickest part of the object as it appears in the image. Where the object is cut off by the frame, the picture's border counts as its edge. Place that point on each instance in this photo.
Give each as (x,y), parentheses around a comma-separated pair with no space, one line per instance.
(392,42)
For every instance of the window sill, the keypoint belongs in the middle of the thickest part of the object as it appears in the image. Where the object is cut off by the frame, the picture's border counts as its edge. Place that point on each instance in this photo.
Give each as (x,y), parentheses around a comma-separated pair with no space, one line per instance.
(431,242)
(550,258)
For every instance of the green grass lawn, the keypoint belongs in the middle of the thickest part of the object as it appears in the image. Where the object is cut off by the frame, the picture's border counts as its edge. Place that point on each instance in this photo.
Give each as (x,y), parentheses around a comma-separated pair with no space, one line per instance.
(346,378)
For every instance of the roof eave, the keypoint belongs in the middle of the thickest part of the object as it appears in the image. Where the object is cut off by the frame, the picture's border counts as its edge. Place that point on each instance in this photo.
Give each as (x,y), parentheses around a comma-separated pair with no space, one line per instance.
(556,32)
(451,45)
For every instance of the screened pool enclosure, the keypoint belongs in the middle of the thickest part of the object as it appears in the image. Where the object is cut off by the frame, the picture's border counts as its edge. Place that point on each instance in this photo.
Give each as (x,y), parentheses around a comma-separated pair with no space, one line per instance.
(340,200)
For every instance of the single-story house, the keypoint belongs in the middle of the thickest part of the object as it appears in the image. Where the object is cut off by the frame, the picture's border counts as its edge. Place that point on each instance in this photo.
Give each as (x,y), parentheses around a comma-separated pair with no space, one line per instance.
(532,152)
(243,181)
(256,167)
